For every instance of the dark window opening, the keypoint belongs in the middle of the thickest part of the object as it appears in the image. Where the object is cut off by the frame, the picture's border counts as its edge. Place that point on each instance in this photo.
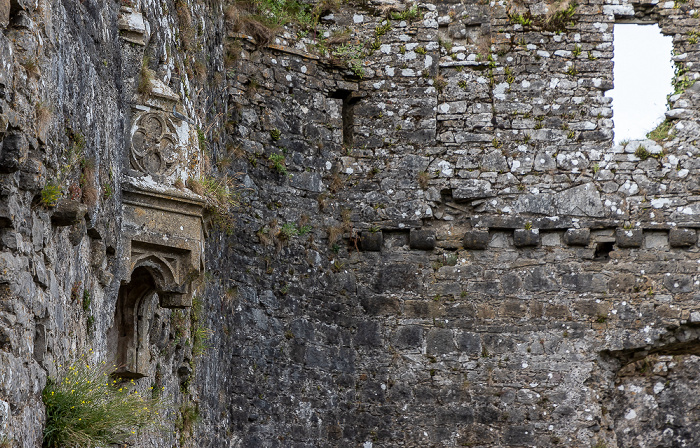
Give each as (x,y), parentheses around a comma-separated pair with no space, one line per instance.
(602,250)
(349,98)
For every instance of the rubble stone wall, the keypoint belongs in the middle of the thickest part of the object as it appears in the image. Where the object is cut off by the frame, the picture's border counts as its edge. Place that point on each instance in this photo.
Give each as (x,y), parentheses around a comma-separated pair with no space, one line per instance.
(438,242)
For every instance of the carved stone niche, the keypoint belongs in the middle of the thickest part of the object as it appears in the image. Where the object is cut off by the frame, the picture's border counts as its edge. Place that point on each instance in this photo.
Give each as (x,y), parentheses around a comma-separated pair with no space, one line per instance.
(164,235)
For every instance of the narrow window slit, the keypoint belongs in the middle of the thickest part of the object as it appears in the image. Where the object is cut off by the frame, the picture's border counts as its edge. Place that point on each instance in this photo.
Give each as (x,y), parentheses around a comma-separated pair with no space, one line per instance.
(347,113)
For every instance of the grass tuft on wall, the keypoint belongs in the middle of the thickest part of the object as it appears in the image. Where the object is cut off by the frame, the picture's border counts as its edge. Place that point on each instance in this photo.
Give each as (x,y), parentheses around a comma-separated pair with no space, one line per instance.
(85,408)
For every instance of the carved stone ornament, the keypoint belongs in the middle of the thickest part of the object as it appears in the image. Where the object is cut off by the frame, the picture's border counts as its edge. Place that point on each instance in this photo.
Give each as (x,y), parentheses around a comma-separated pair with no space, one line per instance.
(154,145)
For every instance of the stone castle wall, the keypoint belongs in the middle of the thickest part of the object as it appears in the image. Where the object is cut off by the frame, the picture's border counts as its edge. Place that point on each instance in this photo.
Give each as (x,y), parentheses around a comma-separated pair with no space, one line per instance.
(438,245)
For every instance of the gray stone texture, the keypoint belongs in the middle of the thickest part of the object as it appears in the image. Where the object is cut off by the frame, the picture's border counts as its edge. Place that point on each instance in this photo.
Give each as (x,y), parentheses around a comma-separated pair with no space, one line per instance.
(476,239)
(629,238)
(526,237)
(457,119)
(682,237)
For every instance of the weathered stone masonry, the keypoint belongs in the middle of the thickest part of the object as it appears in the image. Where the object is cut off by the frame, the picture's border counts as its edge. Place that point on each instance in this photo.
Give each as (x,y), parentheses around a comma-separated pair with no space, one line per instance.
(452,252)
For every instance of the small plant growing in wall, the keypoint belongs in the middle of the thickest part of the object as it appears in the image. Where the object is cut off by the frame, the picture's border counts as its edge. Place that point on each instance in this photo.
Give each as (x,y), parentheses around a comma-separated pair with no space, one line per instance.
(222,197)
(188,417)
(85,407)
(145,78)
(275,134)
(423,178)
(277,163)
(409,14)
(661,132)
(642,152)
(288,231)
(50,194)
(439,83)
(521,19)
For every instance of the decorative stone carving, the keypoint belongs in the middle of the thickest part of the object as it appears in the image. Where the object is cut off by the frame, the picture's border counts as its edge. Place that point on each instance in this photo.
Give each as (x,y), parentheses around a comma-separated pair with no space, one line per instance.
(166,238)
(154,145)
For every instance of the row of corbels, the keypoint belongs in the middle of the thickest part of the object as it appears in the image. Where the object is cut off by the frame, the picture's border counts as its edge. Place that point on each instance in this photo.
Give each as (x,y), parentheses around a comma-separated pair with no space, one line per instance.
(480,238)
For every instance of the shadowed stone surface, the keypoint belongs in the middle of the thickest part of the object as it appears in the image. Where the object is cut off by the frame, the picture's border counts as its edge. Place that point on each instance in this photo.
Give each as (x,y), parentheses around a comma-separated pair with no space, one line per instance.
(428,126)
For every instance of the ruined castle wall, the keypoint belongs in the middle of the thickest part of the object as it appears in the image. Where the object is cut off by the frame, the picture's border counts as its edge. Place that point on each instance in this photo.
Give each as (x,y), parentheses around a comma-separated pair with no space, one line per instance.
(440,246)
(524,257)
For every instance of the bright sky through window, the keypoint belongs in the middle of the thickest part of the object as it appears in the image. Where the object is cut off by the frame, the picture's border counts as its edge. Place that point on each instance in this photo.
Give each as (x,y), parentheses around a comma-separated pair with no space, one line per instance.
(642,74)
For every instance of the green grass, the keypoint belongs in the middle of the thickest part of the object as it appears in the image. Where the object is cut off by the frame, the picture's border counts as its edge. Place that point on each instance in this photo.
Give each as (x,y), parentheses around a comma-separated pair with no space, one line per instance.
(200,333)
(276,13)
(409,14)
(222,196)
(661,132)
(50,195)
(86,408)
(277,162)
(521,19)
(288,231)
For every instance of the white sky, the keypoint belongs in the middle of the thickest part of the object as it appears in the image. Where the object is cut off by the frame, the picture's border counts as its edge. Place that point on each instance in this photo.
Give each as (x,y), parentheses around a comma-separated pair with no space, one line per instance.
(642,74)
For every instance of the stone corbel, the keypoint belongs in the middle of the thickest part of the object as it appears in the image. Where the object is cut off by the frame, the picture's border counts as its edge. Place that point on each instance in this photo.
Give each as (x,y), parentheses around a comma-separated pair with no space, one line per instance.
(132,26)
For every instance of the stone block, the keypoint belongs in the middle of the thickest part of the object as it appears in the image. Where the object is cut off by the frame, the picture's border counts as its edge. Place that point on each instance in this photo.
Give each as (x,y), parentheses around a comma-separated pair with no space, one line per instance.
(470,189)
(678,283)
(422,239)
(656,240)
(629,238)
(371,241)
(174,300)
(409,336)
(380,304)
(682,237)
(368,334)
(478,239)
(526,237)
(470,343)
(68,212)
(440,341)
(577,237)
(13,152)
(4,13)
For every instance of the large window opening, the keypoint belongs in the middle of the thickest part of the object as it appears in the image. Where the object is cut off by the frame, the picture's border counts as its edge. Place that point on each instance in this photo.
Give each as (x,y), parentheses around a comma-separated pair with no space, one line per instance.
(642,73)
